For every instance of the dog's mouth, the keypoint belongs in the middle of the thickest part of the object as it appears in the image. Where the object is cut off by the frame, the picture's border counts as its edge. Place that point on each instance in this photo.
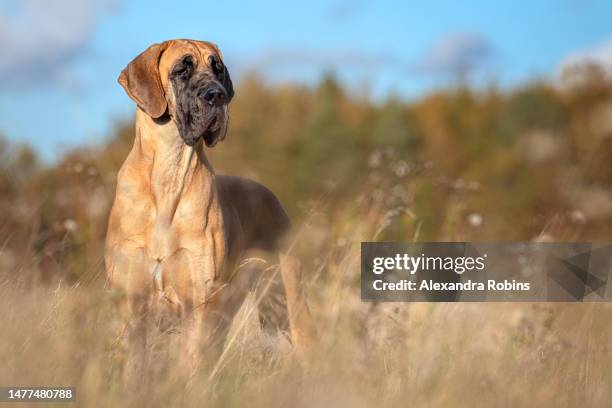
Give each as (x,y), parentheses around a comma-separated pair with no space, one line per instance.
(211,134)
(212,128)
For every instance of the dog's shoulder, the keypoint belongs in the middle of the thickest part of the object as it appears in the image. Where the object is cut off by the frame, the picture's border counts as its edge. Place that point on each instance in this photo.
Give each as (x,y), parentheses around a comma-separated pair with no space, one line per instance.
(262,218)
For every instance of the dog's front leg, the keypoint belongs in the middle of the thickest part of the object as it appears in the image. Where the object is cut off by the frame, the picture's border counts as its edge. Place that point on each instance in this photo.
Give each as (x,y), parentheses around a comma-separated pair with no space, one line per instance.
(190,356)
(137,333)
(187,273)
(129,275)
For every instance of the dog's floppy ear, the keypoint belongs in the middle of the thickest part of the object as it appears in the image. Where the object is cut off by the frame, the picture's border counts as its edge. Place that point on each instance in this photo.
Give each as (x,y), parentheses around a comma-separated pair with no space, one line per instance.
(141,81)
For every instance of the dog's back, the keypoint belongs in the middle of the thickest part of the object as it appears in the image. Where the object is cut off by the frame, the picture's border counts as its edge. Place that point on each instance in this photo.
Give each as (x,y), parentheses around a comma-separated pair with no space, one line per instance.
(254,216)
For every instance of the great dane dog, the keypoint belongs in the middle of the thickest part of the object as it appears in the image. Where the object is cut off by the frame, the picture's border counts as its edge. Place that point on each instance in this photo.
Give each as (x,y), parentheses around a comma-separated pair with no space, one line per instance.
(178,234)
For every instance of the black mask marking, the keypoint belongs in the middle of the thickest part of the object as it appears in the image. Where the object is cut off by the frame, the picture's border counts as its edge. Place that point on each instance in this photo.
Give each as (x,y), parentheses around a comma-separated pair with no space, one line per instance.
(202,96)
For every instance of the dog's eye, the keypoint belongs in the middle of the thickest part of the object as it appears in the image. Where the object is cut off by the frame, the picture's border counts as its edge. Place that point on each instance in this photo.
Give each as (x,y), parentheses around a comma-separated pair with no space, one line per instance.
(183,68)
(216,64)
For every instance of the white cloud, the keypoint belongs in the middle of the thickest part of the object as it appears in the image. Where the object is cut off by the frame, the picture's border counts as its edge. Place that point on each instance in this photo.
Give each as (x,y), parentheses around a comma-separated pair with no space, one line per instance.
(580,67)
(291,58)
(600,55)
(456,54)
(39,38)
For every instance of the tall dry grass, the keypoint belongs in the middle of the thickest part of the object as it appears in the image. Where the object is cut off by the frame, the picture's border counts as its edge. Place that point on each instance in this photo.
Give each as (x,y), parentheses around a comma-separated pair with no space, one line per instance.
(367,354)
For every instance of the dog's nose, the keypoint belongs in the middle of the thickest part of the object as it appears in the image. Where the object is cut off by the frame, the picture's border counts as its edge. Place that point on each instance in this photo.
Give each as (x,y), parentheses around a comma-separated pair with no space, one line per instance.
(215,96)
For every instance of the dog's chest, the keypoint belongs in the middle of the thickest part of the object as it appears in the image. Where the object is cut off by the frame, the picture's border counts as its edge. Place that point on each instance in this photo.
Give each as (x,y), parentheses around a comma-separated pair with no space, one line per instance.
(162,240)
(179,259)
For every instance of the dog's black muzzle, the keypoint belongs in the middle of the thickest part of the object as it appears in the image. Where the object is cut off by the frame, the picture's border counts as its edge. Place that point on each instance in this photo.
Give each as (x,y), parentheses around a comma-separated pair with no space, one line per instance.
(214,95)
(202,108)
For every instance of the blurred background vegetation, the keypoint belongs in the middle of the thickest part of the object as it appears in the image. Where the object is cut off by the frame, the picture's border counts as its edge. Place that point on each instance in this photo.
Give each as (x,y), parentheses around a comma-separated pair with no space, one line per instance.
(530,163)
(456,164)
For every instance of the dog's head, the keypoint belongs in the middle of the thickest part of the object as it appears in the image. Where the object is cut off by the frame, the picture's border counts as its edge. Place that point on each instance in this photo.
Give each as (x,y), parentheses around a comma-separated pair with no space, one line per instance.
(186,80)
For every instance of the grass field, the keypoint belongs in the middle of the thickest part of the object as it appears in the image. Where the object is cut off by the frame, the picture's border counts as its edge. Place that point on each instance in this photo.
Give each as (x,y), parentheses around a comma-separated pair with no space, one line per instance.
(367,354)
(457,165)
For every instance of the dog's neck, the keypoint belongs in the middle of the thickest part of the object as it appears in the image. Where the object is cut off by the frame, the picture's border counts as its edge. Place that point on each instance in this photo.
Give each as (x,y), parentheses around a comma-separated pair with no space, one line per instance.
(177,171)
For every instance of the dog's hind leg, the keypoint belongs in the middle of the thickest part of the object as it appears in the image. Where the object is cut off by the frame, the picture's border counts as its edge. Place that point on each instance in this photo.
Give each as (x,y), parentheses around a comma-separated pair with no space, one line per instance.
(303,331)
(272,303)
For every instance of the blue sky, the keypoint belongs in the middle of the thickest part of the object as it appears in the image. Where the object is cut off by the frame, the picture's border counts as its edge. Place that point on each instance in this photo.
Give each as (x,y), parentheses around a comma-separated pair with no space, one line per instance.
(60,59)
